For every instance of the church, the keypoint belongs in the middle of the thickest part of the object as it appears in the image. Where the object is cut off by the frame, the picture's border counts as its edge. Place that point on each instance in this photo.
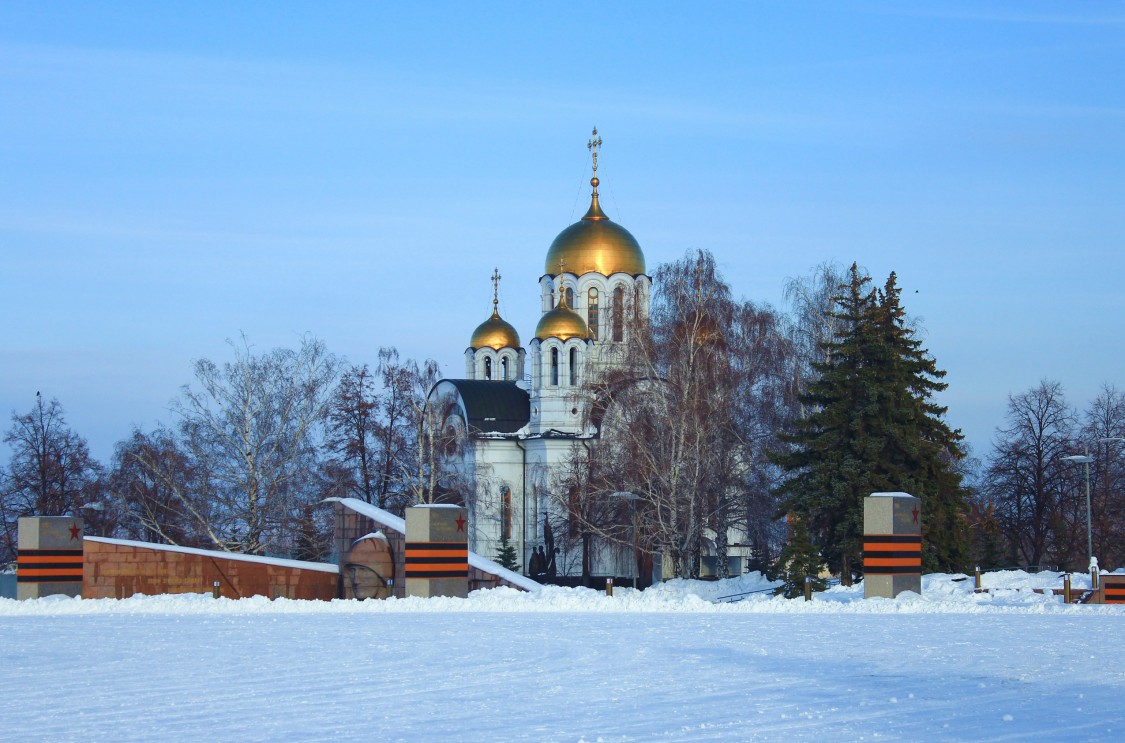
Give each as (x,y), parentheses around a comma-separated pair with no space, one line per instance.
(521,415)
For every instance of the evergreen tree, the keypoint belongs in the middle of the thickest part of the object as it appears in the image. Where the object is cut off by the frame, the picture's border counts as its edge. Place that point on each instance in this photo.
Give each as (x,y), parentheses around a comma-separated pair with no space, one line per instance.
(872,427)
(799,559)
(506,555)
(920,451)
(832,448)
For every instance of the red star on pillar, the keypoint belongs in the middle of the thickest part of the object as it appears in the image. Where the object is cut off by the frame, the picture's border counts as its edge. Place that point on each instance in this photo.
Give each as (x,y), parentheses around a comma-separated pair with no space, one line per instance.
(914,513)
(460,522)
(74,532)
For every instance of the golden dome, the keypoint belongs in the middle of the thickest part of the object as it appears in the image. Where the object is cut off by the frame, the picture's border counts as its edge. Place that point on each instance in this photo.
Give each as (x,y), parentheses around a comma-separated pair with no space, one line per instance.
(595,244)
(562,323)
(495,333)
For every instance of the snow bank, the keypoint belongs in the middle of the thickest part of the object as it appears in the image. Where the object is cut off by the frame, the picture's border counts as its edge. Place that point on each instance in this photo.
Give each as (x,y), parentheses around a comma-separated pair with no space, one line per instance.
(941,594)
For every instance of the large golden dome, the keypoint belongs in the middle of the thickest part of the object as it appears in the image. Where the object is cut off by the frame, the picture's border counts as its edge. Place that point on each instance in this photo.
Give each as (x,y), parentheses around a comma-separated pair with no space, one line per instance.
(595,244)
(495,333)
(562,323)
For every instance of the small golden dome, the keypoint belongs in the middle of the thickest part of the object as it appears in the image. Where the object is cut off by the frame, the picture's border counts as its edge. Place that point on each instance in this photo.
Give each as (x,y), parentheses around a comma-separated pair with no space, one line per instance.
(595,244)
(562,323)
(495,333)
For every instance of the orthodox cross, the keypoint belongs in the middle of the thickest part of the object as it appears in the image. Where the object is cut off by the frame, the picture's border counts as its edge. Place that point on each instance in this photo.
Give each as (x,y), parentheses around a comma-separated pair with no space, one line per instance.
(593,146)
(495,289)
(562,286)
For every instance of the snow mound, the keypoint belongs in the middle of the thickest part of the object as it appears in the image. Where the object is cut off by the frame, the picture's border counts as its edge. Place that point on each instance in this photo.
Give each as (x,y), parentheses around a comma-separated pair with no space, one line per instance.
(942,593)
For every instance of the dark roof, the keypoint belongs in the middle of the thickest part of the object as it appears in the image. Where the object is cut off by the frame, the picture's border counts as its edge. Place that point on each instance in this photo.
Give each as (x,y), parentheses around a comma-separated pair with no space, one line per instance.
(499,407)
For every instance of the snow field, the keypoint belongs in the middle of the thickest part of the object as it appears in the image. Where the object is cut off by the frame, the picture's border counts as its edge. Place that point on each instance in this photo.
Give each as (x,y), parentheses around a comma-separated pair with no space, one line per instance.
(568,665)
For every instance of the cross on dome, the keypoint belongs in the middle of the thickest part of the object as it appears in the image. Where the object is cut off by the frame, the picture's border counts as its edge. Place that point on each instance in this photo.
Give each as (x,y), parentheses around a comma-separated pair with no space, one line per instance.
(562,286)
(593,145)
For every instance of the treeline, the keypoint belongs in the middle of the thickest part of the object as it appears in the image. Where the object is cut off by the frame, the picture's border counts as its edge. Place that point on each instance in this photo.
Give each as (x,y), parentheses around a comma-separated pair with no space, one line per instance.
(1029,505)
(717,417)
(257,443)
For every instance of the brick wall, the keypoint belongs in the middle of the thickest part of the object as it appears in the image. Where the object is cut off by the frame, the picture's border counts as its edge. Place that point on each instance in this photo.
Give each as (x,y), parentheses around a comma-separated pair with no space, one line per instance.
(118,571)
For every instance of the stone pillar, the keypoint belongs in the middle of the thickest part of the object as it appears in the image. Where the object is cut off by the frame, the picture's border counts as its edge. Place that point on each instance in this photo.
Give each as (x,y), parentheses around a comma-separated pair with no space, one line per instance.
(1113,589)
(437,551)
(892,544)
(49,557)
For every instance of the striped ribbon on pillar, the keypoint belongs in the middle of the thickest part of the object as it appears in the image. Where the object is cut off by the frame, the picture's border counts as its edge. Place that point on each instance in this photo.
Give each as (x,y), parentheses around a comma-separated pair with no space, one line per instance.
(892,554)
(49,566)
(1114,588)
(437,560)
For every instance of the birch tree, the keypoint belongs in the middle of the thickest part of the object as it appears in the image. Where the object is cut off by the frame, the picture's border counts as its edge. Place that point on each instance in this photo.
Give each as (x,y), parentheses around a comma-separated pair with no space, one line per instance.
(253,424)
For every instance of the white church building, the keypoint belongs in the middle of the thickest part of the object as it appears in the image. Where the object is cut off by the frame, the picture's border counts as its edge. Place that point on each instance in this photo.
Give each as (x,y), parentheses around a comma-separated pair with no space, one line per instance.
(520,411)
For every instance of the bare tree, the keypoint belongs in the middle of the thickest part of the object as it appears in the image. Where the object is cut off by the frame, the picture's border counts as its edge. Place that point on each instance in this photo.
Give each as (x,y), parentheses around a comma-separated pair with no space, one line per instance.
(1027,480)
(51,472)
(686,414)
(1104,428)
(812,322)
(252,424)
(402,427)
(352,430)
(162,491)
(439,440)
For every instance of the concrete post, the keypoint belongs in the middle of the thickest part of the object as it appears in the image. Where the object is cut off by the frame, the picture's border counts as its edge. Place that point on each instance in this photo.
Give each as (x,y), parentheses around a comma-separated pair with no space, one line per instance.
(437,551)
(49,557)
(892,545)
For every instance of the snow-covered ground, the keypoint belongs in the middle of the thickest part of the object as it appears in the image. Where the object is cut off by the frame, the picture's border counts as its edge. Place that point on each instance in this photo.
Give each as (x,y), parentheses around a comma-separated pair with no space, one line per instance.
(569,664)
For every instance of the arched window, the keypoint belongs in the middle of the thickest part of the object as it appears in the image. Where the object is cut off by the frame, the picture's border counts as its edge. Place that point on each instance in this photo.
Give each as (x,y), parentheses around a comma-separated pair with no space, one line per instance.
(488,368)
(574,367)
(592,311)
(504,368)
(554,367)
(505,512)
(570,298)
(619,314)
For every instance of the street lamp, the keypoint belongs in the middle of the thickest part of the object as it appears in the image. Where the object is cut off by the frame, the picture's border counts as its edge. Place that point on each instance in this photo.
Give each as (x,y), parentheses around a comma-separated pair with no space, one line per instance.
(632,498)
(1086,459)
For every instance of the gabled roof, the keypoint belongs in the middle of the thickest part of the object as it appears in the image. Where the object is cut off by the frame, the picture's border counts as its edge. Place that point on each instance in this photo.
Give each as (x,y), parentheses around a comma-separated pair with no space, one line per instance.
(493,407)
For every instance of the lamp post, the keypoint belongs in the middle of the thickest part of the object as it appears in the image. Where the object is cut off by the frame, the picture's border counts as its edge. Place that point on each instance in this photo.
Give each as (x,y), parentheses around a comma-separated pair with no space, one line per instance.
(632,498)
(1086,459)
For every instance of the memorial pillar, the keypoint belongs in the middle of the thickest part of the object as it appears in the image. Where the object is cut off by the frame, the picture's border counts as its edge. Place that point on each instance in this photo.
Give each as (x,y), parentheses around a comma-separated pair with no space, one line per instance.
(892,545)
(49,557)
(437,551)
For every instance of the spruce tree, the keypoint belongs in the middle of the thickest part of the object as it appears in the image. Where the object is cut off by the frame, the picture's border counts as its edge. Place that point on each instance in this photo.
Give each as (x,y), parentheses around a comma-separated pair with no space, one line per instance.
(799,559)
(920,450)
(873,428)
(506,555)
(833,447)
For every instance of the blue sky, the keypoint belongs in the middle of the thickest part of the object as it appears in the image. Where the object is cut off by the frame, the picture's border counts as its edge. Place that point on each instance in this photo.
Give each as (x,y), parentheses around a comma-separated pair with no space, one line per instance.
(174,174)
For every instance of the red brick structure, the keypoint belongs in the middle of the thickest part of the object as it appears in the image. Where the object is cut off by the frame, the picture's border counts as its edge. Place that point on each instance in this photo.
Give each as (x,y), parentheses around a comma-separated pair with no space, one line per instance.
(118,568)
